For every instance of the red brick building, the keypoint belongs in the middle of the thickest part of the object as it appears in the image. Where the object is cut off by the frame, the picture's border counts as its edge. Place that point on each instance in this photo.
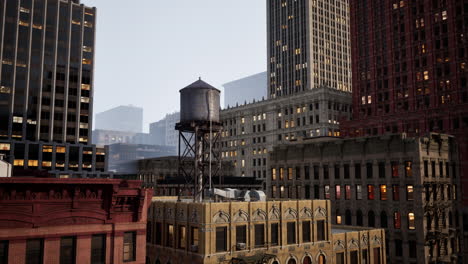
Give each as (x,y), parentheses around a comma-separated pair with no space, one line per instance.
(85,221)
(410,71)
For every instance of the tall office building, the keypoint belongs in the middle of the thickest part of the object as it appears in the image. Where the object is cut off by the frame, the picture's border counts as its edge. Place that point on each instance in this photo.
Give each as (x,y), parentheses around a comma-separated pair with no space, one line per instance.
(125,118)
(308,46)
(410,72)
(46,90)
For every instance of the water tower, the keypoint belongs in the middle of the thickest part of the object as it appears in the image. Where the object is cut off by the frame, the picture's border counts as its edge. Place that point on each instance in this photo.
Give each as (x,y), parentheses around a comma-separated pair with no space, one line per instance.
(199,130)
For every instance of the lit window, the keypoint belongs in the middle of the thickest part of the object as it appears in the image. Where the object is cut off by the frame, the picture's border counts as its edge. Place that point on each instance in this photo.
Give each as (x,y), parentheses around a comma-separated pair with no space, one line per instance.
(383,192)
(338,219)
(243,163)
(411,225)
(24,10)
(36,26)
(88,24)
(87,49)
(444,15)
(337,192)
(290,173)
(254,118)
(18,162)
(264,116)
(408,169)
(60,149)
(327,191)
(5,90)
(242,120)
(33,163)
(86,87)
(410,192)
(24,24)
(286,124)
(273,174)
(76,22)
(84,99)
(46,164)
(426,75)
(17,119)
(370,192)
(4,146)
(298,110)
(87,61)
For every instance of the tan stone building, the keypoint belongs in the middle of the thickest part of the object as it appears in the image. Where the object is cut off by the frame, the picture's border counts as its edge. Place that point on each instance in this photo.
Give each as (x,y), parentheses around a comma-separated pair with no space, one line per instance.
(409,186)
(273,232)
(252,130)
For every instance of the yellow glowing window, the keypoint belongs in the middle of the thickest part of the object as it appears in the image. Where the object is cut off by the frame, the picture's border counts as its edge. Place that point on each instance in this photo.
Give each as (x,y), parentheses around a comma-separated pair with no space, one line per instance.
(273,174)
(37,26)
(292,123)
(76,22)
(17,119)
(24,10)
(444,15)
(383,192)
(24,24)
(87,49)
(100,152)
(264,151)
(85,87)
(46,164)
(73,165)
(242,120)
(338,219)
(88,24)
(243,163)
(426,75)
(264,116)
(61,149)
(411,224)
(7,62)
(286,124)
(87,61)
(4,89)
(60,165)
(64,176)
(243,142)
(18,162)
(87,152)
(87,166)
(298,110)
(281,176)
(33,163)
(47,149)
(4,146)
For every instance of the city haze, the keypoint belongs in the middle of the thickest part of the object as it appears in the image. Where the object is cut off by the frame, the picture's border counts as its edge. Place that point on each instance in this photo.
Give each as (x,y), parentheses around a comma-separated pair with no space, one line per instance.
(148,50)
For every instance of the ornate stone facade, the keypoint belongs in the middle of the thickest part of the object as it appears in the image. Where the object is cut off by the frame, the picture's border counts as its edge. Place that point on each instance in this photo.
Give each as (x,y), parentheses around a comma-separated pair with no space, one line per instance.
(273,232)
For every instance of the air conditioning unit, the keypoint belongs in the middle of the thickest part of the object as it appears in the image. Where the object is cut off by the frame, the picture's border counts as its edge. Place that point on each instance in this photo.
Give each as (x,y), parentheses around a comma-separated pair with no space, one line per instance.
(194,248)
(241,246)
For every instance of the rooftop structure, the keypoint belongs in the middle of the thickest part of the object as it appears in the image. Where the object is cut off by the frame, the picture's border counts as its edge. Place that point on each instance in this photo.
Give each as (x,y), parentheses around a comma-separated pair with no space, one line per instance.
(273,232)
(72,221)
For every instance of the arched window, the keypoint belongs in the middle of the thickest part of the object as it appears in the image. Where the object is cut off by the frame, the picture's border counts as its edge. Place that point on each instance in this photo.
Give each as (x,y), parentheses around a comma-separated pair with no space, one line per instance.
(371,219)
(383,219)
(322,260)
(292,261)
(359,218)
(275,262)
(348,220)
(307,260)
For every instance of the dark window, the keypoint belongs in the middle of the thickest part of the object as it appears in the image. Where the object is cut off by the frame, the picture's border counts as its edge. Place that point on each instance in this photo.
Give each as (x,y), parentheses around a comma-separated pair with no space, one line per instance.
(274,234)
(396,192)
(170,235)
(291,230)
(316,172)
(371,219)
(346,171)
(321,230)
(357,171)
(370,170)
(4,252)
(365,258)
(354,257)
(98,249)
(194,238)
(412,249)
(383,220)
(306,231)
(359,218)
(426,168)
(397,220)
(159,232)
(241,234)
(382,170)
(337,171)
(398,247)
(377,255)
(129,246)
(340,258)
(326,172)
(221,239)
(306,172)
(316,192)
(259,235)
(67,250)
(34,251)
(394,166)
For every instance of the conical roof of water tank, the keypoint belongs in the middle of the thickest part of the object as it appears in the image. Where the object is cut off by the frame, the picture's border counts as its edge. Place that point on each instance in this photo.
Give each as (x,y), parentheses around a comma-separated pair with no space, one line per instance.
(199,102)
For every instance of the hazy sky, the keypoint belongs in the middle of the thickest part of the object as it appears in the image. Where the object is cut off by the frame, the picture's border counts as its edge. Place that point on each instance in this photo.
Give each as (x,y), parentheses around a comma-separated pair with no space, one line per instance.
(147,50)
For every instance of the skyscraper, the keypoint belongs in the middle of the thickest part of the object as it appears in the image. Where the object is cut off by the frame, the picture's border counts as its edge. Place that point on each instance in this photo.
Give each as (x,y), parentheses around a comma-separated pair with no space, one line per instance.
(308,46)
(410,72)
(46,90)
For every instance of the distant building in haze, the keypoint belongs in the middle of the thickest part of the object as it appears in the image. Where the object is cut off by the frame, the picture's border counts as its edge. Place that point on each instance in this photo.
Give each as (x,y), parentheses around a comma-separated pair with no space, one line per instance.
(125,118)
(163,132)
(246,89)
(108,137)
(46,87)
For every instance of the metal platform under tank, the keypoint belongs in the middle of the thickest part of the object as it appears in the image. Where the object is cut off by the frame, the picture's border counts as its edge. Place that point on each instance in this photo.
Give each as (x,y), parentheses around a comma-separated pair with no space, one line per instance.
(201,126)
